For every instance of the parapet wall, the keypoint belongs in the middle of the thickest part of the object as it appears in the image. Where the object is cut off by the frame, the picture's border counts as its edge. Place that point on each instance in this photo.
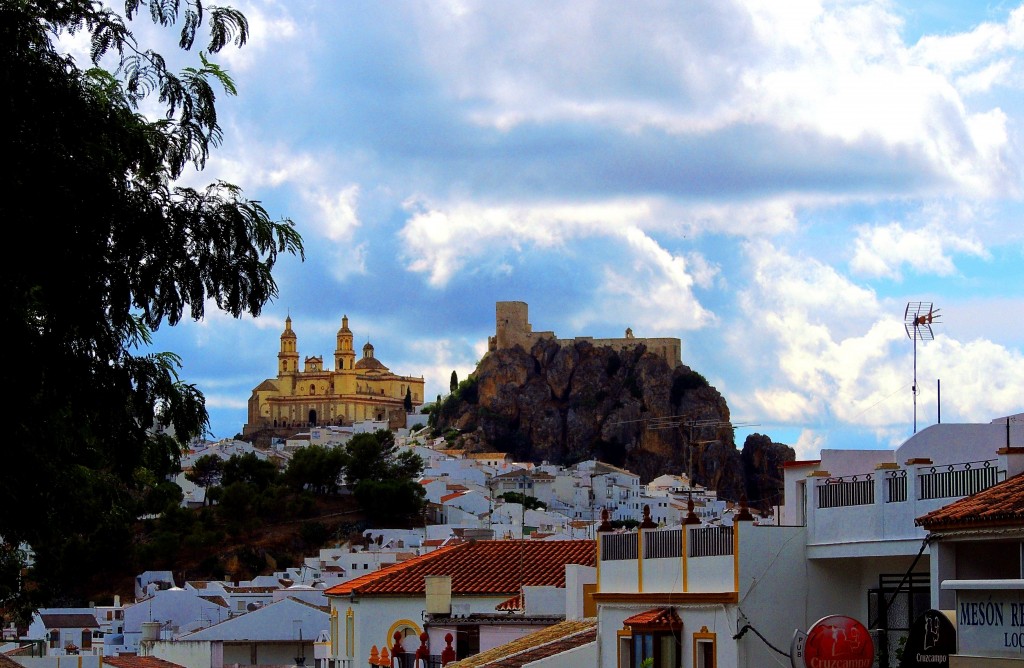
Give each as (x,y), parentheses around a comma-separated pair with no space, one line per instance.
(512,328)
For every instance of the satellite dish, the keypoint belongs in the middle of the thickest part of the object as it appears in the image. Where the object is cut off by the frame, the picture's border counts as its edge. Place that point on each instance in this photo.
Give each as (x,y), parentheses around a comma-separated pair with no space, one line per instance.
(249,607)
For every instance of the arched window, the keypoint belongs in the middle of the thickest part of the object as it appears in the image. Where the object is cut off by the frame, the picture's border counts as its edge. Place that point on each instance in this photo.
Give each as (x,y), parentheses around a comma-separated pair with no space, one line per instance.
(312,389)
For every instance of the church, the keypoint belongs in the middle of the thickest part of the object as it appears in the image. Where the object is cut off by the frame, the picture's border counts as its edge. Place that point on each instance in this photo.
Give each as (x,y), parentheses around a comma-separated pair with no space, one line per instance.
(354,391)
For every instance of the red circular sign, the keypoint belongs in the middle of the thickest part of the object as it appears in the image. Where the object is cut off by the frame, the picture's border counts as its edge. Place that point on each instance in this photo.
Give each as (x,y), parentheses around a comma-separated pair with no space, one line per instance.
(838,642)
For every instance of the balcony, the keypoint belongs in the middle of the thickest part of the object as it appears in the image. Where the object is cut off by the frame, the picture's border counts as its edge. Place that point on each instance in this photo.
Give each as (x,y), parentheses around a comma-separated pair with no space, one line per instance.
(873,513)
(691,559)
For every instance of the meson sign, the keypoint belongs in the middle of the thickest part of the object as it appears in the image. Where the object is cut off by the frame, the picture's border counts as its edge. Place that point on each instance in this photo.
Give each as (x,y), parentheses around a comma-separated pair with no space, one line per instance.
(989,617)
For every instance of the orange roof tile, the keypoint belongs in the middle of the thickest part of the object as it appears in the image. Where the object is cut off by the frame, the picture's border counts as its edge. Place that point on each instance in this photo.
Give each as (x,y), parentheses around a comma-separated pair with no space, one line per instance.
(449,497)
(132,661)
(658,617)
(478,567)
(999,505)
(800,462)
(511,604)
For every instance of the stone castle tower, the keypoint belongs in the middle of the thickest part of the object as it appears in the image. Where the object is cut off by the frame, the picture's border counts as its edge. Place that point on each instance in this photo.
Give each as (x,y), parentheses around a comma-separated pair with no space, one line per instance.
(512,328)
(355,390)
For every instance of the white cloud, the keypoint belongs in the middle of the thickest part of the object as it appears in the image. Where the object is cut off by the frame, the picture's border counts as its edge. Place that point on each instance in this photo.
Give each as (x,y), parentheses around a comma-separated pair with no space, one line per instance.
(442,240)
(346,261)
(882,250)
(835,70)
(652,290)
(808,445)
(970,51)
(338,212)
(828,352)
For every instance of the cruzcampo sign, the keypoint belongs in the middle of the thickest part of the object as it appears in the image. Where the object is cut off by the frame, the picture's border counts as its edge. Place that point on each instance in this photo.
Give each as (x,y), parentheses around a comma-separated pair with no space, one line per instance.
(838,641)
(931,640)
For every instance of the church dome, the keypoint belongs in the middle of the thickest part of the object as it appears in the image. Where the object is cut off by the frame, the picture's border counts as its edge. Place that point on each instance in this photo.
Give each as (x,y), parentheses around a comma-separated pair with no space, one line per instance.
(370,363)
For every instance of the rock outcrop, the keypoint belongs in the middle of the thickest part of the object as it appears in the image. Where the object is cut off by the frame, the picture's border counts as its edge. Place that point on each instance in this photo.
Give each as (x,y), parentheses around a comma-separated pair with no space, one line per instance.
(567,403)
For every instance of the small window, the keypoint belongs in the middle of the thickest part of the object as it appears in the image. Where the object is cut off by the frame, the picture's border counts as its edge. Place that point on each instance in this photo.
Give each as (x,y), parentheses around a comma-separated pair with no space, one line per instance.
(704,649)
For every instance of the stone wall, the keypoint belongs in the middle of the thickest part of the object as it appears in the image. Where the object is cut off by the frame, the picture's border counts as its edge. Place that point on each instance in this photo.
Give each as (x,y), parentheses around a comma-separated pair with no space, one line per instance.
(512,328)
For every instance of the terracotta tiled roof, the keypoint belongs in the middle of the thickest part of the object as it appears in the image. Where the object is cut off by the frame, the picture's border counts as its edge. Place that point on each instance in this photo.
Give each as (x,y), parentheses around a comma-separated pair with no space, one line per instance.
(666,617)
(76,620)
(547,642)
(132,661)
(487,455)
(478,567)
(800,462)
(999,505)
(449,497)
(8,663)
(512,604)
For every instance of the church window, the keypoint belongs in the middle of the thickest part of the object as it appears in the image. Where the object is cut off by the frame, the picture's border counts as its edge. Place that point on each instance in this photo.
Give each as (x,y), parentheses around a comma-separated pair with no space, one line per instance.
(312,389)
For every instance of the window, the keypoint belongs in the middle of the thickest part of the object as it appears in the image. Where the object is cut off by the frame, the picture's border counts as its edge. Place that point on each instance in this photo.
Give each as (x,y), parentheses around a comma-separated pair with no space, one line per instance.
(705,649)
(655,635)
(662,648)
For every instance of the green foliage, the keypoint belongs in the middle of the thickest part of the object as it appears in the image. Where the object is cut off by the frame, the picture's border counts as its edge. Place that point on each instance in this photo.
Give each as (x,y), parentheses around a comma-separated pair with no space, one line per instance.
(251,469)
(316,468)
(389,501)
(94,183)
(384,478)
(237,507)
(314,534)
(408,400)
(454,383)
(690,380)
(207,471)
(447,409)
(528,502)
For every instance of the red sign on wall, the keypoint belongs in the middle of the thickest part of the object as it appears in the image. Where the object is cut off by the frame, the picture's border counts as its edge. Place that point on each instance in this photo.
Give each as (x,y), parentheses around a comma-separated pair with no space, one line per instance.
(838,641)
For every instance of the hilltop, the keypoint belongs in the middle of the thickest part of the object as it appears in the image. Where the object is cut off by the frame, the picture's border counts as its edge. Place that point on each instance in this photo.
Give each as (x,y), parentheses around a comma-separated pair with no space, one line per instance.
(566,402)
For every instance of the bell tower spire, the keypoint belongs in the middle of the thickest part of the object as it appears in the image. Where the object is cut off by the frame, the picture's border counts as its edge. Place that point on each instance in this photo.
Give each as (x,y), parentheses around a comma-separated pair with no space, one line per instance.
(344,356)
(288,357)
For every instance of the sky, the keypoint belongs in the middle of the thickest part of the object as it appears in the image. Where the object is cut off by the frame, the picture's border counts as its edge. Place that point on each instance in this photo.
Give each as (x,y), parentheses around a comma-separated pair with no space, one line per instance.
(770,182)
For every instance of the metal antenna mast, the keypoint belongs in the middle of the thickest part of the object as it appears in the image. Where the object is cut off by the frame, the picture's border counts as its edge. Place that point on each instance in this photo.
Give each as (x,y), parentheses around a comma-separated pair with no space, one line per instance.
(918,319)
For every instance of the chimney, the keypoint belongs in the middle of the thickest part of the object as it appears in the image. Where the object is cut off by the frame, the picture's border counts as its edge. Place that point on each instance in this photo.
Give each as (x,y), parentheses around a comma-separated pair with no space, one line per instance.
(439,594)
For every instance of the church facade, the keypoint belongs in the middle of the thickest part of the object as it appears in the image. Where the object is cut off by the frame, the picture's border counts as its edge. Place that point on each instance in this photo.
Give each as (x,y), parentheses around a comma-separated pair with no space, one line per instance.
(355,390)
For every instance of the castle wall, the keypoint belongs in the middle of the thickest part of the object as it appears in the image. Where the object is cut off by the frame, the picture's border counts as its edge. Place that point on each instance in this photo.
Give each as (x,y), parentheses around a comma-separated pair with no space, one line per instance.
(512,328)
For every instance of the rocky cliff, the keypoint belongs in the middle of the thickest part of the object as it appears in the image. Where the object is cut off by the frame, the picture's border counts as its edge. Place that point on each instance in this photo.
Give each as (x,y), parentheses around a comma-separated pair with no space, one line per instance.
(567,403)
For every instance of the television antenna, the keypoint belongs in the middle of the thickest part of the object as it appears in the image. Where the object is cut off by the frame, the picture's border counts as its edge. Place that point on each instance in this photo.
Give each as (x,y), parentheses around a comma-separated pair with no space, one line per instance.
(918,319)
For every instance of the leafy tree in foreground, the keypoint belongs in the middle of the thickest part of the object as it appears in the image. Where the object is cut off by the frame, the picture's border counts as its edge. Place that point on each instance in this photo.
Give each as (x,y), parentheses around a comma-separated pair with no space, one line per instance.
(384,478)
(106,249)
